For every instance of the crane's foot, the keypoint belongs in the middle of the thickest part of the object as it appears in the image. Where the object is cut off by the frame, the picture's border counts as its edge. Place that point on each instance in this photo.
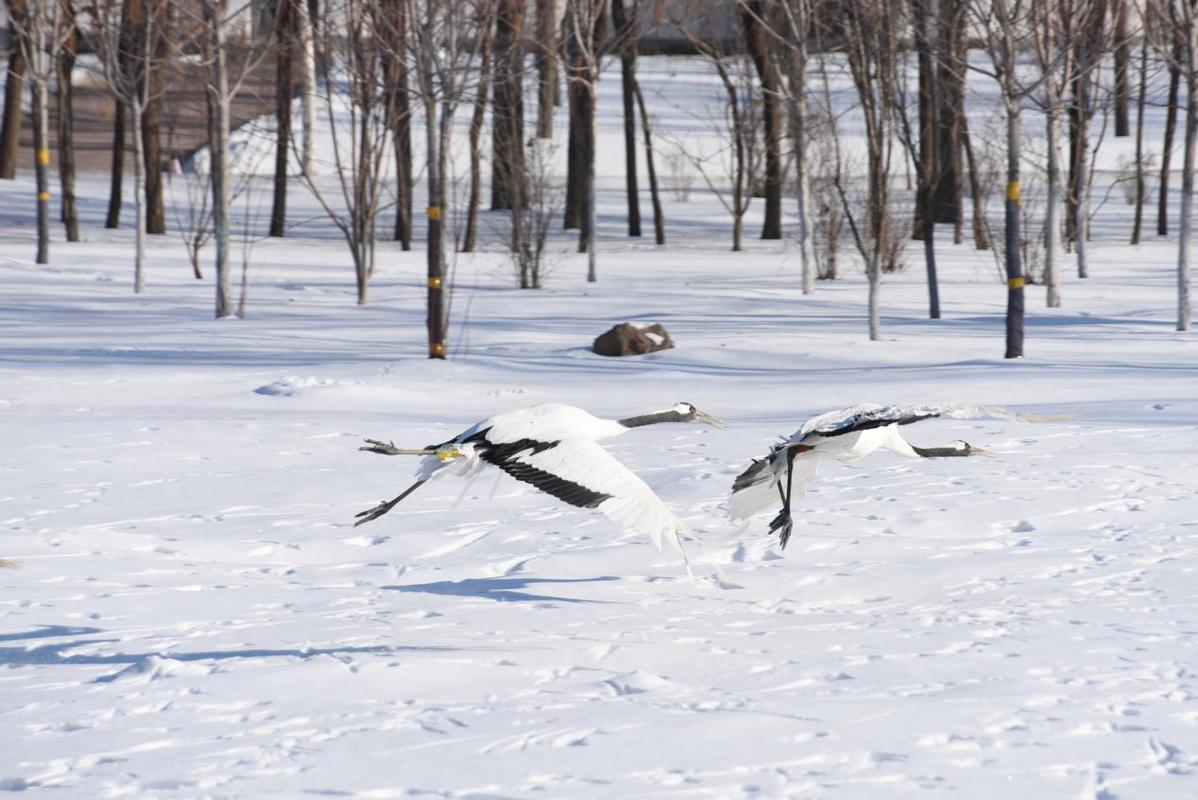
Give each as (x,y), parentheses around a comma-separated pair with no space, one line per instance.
(782,525)
(382,448)
(374,513)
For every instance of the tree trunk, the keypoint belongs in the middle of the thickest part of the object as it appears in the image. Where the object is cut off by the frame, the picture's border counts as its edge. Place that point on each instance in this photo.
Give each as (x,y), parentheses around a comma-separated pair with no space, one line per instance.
(758,42)
(1081,176)
(948,181)
(1122,61)
(307,44)
(139,196)
(659,221)
(285,33)
(928,98)
(626,34)
(219,137)
(436,267)
(152,124)
(1185,225)
(576,160)
(587,237)
(10,129)
(1013,242)
(399,115)
(546,66)
(981,233)
(1138,224)
(476,130)
(113,219)
(66,131)
(507,108)
(41,142)
(1162,211)
(1052,212)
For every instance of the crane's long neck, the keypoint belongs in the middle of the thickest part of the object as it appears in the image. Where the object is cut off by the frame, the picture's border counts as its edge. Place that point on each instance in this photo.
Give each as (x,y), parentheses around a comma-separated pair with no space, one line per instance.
(652,419)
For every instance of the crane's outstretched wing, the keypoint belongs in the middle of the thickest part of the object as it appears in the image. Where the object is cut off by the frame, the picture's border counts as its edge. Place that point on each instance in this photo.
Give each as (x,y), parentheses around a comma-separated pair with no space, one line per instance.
(870,415)
(756,489)
(583,474)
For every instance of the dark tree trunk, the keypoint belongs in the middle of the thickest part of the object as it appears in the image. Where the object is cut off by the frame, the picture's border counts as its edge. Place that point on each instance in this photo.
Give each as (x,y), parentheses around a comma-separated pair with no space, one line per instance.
(1122,61)
(41,166)
(284,92)
(476,130)
(626,34)
(547,89)
(507,108)
(576,153)
(151,121)
(948,183)
(1162,211)
(1138,224)
(926,176)
(66,130)
(399,115)
(117,171)
(10,129)
(659,220)
(981,233)
(759,44)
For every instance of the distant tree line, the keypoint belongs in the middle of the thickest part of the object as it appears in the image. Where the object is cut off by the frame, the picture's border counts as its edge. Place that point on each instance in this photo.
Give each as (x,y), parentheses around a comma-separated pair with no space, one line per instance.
(383,69)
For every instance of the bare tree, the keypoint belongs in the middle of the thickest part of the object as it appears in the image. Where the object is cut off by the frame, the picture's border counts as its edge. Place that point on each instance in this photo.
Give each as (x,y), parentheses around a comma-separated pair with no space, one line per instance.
(1091,43)
(126,40)
(1172,51)
(1180,17)
(392,28)
(871,42)
(547,56)
(42,34)
(65,64)
(627,26)
(445,45)
(481,95)
(1004,25)
(756,18)
(739,159)
(585,22)
(10,129)
(507,107)
(286,33)
(354,101)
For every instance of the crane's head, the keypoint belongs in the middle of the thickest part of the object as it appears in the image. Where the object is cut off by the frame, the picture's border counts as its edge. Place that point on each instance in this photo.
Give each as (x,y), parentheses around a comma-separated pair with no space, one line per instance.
(966,449)
(688,413)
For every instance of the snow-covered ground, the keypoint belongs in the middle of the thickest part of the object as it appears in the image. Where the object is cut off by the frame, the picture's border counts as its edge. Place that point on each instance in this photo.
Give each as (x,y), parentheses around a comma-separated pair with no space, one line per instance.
(196,616)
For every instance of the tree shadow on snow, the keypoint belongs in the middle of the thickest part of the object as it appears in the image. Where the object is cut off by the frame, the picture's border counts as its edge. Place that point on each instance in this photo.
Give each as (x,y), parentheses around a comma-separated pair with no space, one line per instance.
(501,589)
(56,655)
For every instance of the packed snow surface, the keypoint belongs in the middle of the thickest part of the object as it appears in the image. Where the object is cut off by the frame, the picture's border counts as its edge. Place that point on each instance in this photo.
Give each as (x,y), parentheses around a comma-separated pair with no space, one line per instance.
(195,615)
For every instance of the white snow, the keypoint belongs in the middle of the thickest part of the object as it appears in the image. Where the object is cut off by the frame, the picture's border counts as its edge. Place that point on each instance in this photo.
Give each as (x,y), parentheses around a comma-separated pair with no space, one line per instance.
(196,616)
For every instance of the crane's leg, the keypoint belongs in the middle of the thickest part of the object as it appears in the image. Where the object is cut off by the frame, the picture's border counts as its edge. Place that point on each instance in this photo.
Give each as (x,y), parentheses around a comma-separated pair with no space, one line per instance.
(389,449)
(387,505)
(782,524)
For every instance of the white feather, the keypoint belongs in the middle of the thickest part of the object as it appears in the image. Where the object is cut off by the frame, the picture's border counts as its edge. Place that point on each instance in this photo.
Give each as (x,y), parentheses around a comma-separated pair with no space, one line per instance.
(632,504)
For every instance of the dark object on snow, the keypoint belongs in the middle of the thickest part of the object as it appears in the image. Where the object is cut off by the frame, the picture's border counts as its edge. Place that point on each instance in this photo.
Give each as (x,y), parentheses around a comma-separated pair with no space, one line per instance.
(626,339)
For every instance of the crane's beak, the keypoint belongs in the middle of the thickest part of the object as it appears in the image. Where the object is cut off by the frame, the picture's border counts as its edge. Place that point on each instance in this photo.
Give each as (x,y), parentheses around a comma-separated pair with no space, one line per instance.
(714,422)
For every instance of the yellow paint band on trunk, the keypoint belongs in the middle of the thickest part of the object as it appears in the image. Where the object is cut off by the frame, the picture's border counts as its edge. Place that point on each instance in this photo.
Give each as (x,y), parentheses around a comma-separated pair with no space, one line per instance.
(1013,191)
(43,157)
(434,283)
(1016,283)
(43,196)
(434,212)
(436,349)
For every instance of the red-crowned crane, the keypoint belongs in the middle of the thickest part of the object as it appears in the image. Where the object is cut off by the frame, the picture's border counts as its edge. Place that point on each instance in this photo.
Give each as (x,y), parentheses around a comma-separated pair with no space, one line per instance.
(553,447)
(846,435)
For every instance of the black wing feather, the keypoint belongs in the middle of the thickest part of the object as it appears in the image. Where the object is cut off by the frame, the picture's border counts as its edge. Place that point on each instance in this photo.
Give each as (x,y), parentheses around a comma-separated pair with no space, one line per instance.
(506,457)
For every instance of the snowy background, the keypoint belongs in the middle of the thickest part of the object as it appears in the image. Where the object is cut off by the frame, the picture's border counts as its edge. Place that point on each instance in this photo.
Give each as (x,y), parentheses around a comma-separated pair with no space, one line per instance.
(196,617)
